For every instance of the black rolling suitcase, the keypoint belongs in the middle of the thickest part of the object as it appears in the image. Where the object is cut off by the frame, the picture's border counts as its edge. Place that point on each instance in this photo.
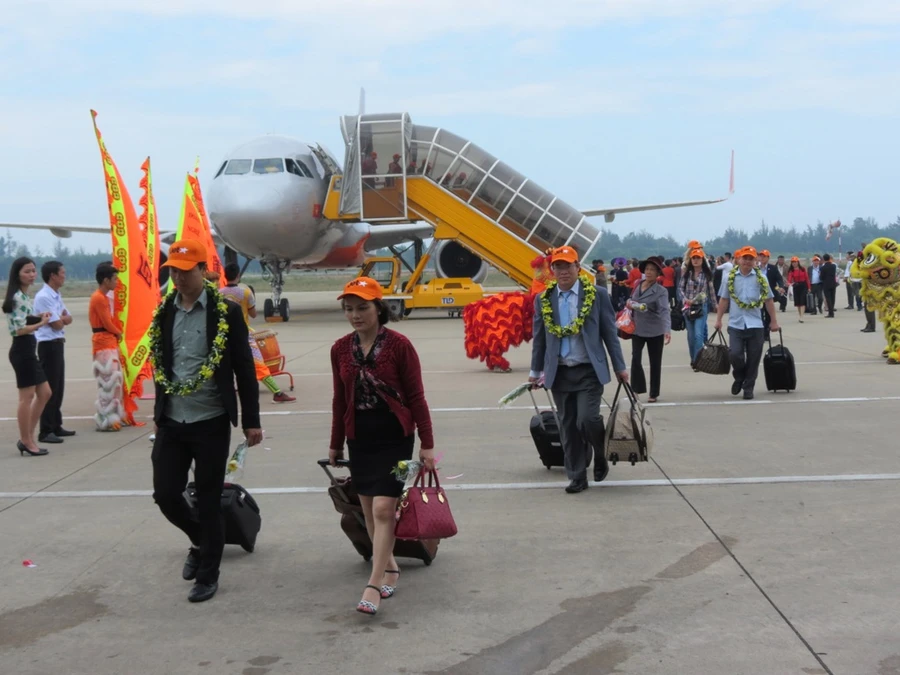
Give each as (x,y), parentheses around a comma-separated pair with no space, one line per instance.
(811,303)
(240,511)
(544,427)
(779,367)
(353,522)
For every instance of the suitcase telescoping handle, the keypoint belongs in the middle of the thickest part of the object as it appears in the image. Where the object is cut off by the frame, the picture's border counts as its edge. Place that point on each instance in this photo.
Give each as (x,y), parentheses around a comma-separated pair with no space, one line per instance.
(780,338)
(537,410)
(326,464)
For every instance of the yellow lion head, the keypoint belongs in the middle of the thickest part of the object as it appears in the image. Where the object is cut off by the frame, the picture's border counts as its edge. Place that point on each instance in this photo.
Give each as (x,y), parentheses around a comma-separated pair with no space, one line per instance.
(878,263)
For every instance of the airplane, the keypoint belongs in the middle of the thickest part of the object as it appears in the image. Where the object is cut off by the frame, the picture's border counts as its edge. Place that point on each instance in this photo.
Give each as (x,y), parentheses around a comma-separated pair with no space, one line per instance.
(265,202)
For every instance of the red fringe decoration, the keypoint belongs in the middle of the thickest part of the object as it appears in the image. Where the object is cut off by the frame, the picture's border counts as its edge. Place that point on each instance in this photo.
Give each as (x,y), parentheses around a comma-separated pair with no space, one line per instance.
(495,324)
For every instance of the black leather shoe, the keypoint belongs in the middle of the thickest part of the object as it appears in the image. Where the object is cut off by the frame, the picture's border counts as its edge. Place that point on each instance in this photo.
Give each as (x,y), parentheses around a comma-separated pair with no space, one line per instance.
(867,330)
(49,438)
(577,486)
(191,565)
(203,592)
(601,470)
(736,387)
(748,395)
(63,433)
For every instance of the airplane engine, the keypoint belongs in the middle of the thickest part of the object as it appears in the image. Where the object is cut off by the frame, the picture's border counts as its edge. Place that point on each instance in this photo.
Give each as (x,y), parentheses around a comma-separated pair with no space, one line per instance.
(454,260)
(163,271)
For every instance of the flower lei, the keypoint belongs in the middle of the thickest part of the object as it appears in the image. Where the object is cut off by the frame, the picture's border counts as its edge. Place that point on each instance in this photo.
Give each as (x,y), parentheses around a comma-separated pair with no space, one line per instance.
(213,359)
(763,290)
(590,293)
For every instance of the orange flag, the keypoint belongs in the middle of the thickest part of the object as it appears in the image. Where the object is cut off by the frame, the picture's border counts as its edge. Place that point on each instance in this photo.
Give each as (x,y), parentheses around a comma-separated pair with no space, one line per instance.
(194,224)
(135,299)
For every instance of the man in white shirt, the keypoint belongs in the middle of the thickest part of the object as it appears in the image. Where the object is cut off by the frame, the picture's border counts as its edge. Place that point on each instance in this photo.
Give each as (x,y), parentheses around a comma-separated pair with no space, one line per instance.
(853,285)
(51,341)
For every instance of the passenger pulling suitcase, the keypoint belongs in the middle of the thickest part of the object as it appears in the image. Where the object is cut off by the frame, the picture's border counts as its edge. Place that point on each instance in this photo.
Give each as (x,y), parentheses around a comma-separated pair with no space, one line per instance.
(544,427)
(353,522)
(779,367)
(240,511)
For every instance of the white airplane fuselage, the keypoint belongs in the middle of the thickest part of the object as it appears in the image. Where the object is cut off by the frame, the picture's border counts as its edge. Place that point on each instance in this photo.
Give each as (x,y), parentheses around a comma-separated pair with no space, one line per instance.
(266,202)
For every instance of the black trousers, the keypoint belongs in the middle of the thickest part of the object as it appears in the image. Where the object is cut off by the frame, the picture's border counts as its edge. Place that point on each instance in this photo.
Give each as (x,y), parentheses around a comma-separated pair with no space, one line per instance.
(745,349)
(870,318)
(52,358)
(830,299)
(818,292)
(655,353)
(206,443)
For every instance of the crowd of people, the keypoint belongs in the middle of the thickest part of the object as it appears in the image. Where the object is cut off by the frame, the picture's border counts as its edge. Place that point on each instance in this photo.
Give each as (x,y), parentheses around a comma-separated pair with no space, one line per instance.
(206,369)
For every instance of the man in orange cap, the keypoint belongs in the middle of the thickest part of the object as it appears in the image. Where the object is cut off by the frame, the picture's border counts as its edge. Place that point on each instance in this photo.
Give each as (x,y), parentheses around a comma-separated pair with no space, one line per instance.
(743,293)
(199,346)
(815,281)
(572,324)
(776,281)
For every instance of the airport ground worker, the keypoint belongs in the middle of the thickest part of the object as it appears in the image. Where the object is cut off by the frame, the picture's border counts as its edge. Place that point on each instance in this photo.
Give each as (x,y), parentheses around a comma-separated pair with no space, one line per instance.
(107,332)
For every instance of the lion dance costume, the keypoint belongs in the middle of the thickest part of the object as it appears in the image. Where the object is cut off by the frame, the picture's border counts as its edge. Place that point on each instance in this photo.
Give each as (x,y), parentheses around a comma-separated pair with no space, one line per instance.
(107,369)
(878,266)
(504,320)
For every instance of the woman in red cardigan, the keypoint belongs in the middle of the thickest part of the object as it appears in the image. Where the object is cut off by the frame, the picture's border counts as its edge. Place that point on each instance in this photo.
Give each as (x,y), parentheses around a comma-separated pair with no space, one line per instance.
(379,401)
(798,280)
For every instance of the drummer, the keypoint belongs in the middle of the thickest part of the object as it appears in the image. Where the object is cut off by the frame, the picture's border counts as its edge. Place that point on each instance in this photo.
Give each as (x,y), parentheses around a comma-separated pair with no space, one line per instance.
(244,297)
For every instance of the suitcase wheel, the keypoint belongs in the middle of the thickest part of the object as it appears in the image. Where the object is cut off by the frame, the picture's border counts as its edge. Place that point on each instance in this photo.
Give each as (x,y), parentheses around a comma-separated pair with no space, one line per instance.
(614,458)
(248,548)
(548,466)
(430,560)
(633,458)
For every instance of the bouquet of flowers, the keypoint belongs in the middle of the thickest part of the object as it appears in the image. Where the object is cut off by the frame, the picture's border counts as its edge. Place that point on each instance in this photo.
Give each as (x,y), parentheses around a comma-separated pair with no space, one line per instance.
(236,463)
(406,469)
(515,393)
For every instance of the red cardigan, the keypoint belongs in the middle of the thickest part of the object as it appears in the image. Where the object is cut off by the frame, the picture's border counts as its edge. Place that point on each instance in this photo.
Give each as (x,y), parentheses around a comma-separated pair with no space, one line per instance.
(397,366)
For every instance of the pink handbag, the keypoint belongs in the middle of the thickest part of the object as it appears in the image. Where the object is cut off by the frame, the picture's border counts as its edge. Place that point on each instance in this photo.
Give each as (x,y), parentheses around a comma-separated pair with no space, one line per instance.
(424,512)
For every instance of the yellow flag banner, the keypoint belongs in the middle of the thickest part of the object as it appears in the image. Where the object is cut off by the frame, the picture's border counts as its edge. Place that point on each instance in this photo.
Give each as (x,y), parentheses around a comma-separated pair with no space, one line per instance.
(134,299)
(194,224)
(150,232)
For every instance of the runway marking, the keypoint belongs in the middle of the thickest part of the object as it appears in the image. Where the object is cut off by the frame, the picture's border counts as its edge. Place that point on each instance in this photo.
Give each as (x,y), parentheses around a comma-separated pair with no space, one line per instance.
(466,487)
(673,404)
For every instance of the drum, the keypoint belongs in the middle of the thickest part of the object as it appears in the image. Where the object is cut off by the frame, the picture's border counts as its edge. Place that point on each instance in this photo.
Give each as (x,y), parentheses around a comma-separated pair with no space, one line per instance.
(268,347)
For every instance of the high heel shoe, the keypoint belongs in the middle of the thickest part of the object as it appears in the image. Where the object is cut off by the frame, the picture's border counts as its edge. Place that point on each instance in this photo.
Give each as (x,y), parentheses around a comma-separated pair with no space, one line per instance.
(366,607)
(388,591)
(20,446)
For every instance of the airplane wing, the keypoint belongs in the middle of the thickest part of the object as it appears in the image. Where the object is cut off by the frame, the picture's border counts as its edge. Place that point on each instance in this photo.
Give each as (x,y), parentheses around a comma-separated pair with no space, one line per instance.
(381,236)
(65,231)
(610,214)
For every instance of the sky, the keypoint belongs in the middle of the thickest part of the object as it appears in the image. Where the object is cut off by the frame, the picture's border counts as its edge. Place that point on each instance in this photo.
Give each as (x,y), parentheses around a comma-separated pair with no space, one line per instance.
(603,102)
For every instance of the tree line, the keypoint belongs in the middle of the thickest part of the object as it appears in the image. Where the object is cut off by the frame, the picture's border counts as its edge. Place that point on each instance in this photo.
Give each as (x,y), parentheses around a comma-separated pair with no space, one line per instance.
(81,264)
(778,240)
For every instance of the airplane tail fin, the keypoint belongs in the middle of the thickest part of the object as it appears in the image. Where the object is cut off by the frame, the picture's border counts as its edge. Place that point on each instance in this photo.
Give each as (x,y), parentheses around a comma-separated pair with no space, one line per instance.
(731,177)
(362,101)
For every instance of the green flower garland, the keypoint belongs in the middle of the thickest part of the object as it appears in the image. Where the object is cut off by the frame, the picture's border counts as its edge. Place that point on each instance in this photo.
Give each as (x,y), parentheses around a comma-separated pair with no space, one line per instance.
(213,359)
(763,290)
(590,293)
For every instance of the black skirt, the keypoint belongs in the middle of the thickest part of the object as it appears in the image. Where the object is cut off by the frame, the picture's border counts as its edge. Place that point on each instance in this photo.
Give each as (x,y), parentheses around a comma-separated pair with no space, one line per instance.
(23,358)
(800,292)
(378,446)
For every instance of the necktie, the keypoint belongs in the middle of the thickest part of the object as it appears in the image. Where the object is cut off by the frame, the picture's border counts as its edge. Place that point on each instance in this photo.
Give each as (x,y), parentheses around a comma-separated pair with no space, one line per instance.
(564,321)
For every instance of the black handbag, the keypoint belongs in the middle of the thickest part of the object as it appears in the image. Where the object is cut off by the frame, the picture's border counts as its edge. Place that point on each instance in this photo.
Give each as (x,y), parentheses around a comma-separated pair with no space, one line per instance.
(693,312)
(714,358)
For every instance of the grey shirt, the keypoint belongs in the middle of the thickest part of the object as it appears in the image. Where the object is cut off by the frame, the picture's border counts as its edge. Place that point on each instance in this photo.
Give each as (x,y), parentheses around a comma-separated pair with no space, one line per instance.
(656,320)
(189,351)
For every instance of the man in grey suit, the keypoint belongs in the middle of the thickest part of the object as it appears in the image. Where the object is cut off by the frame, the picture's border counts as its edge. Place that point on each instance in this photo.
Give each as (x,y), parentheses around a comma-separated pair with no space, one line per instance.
(574,364)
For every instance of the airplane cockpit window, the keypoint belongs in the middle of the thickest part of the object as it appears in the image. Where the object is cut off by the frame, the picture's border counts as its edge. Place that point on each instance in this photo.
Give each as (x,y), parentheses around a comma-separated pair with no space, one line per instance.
(271,165)
(297,168)
(221,169)
(237,167)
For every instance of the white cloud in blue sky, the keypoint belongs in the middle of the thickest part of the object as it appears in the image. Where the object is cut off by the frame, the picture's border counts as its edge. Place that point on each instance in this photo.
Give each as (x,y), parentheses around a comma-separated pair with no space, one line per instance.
(604,103)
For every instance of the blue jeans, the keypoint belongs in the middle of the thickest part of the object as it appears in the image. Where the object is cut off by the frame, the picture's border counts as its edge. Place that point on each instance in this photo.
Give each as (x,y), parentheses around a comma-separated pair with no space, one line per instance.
(697,333)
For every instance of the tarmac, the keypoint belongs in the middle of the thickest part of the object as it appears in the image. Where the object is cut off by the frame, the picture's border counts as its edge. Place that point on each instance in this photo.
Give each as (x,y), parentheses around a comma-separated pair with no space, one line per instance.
(762,538)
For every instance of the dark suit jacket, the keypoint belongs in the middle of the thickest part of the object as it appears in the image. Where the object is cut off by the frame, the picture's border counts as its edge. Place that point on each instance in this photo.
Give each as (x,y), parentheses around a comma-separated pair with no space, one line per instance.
(237,363)
(774,278)
(828,275)
(599,329)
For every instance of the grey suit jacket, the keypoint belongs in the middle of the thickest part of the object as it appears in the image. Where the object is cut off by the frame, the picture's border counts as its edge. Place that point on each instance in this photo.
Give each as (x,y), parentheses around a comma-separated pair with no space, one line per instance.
(599,329)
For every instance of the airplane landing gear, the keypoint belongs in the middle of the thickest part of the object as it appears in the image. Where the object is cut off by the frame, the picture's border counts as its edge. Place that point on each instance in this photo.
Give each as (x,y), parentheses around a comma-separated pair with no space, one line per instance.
(276,305)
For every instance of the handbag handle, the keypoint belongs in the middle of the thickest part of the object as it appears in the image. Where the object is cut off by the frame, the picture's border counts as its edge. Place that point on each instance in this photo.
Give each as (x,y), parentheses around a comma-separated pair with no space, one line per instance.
(433,480)
(721,337)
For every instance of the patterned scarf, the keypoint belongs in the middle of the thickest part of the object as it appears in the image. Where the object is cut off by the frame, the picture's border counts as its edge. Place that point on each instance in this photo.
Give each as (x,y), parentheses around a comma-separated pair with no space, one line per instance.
(369,388)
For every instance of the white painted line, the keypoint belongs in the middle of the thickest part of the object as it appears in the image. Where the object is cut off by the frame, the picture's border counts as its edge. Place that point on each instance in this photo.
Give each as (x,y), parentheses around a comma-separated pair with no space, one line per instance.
(656,482)
(674,404)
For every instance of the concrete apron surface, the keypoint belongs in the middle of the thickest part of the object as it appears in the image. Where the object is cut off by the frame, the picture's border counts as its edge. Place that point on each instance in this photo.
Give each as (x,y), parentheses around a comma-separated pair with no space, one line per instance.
(772,549)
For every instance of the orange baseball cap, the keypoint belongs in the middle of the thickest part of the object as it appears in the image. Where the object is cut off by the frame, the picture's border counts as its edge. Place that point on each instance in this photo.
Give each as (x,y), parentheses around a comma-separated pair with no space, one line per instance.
(815,257)
(693,243)
(766,253)
(565,254)
(186,254)
(747,250)
(363,287)
(795,259)
(697,253)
